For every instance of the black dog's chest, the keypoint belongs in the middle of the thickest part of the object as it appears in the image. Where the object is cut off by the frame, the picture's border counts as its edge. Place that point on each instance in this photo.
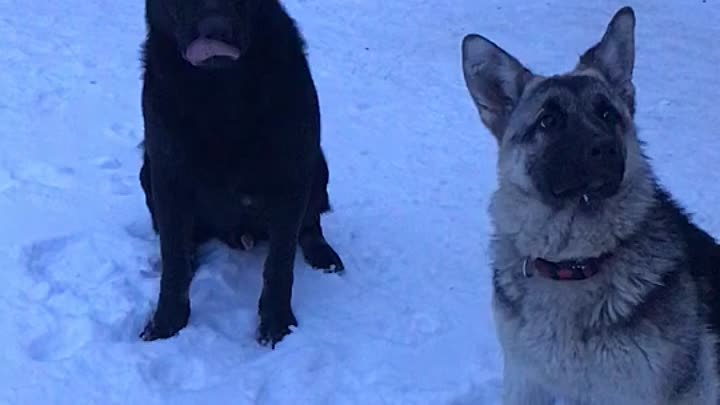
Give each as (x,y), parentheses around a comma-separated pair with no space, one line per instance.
(225,202)
(229,156)
(229,176)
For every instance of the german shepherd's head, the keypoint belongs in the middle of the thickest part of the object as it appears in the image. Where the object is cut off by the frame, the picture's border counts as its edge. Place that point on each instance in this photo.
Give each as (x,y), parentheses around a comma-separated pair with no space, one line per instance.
(572,177)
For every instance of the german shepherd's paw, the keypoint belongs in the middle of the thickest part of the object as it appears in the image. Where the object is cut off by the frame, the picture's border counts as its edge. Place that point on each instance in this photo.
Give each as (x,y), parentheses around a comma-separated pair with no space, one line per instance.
(274,326)
(167,322)
(323,256)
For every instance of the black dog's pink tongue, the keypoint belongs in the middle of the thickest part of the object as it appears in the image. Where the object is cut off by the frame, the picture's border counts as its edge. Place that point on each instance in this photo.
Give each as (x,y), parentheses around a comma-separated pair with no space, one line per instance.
(203,49)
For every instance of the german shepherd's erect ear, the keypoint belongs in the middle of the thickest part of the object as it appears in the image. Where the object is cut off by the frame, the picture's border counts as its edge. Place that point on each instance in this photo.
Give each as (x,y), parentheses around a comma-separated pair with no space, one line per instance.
(495,80)
(614,55)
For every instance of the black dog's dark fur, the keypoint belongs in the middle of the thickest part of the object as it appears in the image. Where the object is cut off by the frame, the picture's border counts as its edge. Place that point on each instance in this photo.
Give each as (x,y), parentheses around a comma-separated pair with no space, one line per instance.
(232,151)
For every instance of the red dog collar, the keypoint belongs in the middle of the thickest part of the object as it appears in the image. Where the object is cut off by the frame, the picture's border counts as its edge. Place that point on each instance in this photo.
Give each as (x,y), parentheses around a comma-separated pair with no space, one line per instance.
(571,270)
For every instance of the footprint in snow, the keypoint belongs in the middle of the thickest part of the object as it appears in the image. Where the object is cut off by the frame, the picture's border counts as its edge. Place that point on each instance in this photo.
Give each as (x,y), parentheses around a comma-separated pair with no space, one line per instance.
(117,184)
(122,185)
(124,132)
(63,340)
(141,229)
(176,371)
(46,175)
(80,275)
(107,163)
(41,255)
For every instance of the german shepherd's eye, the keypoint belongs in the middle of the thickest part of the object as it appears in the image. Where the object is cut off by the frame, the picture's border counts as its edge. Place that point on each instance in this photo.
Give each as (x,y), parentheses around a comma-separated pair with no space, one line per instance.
(609,115)
(606,112)
(551,116)
(548,121)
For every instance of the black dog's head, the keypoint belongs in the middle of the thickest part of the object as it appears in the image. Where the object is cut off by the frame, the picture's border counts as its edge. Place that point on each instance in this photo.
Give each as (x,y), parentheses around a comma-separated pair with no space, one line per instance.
(207,33)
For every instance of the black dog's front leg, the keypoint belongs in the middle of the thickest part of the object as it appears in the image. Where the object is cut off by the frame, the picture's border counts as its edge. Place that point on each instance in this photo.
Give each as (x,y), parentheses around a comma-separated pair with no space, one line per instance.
(172,211)
(285,212)
(317,251)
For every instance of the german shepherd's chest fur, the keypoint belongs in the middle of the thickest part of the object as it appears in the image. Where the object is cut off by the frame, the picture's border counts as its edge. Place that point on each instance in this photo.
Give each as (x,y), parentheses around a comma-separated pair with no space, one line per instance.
(608,339)
(643,327)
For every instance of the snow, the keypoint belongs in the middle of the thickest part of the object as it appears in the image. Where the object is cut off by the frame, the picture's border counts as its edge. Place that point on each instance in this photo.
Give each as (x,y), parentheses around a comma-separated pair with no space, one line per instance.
(411,172)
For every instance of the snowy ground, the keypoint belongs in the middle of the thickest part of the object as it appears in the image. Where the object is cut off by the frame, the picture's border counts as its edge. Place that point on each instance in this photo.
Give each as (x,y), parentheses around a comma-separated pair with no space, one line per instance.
(411,171)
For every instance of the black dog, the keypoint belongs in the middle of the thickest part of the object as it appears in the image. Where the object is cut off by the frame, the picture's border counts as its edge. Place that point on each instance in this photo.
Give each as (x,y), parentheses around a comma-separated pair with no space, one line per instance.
(232,148)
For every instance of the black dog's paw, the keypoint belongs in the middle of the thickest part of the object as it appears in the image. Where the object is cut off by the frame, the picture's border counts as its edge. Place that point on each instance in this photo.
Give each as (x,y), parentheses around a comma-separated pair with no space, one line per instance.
(166,322)
(323,256)
(274,327)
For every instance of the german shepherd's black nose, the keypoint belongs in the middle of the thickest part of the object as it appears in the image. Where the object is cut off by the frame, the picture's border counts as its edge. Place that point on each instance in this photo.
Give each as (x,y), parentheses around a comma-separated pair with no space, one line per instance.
(215,27)
(592,170)
(602,152)
(606,164)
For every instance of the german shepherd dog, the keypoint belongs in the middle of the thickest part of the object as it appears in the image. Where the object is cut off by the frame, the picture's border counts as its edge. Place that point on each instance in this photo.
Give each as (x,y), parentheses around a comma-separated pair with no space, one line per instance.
(605,292)
(232,149)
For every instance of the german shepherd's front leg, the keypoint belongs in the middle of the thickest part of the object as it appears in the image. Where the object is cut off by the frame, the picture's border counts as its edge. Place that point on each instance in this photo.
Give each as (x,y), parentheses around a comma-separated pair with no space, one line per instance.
(173,216)
(285,213)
